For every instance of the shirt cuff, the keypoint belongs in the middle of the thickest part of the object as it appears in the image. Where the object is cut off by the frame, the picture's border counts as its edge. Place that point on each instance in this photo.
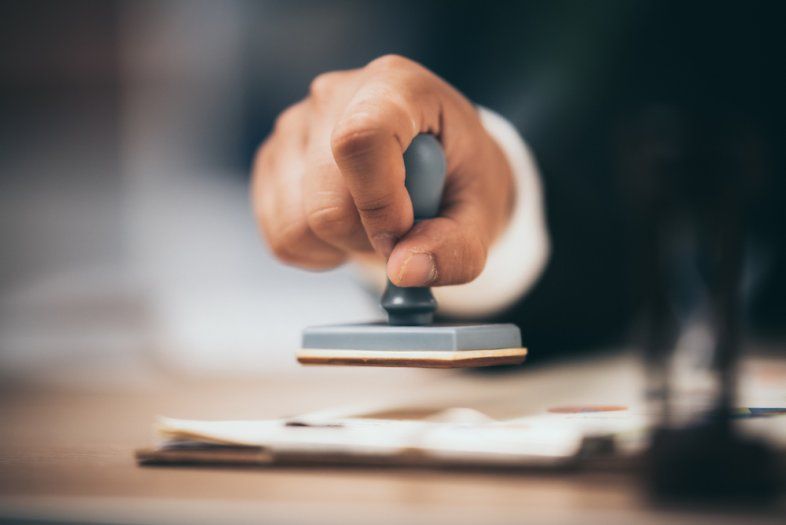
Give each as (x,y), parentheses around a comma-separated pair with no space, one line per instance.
(517,258)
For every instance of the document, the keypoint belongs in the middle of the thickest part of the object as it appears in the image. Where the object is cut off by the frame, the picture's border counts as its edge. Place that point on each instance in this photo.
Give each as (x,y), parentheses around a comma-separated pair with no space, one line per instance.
(455,436)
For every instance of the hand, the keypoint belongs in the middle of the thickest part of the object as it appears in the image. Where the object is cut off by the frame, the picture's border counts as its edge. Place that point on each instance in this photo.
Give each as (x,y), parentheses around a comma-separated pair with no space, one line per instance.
(328,183)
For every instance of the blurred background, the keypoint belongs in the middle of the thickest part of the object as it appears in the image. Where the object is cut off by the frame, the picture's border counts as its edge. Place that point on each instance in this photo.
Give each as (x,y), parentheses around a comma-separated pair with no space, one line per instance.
(127,130)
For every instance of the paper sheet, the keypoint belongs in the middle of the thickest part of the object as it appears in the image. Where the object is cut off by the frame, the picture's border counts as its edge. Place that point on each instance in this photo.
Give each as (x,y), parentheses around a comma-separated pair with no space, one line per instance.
(452,436)
(440,434)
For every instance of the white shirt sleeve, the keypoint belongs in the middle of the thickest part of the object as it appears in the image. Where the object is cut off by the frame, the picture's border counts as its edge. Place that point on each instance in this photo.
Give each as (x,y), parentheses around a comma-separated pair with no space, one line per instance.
(518,257)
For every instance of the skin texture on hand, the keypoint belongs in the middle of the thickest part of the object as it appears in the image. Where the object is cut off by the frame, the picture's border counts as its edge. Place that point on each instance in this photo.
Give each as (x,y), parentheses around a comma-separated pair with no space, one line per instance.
(328,183)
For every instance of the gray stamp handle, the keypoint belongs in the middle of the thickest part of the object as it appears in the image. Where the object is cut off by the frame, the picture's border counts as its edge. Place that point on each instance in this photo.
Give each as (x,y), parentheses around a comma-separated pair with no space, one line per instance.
(424,162)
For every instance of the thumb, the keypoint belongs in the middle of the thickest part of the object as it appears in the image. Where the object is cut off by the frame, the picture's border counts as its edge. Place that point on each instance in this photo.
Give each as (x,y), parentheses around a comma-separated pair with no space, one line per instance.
(450,249)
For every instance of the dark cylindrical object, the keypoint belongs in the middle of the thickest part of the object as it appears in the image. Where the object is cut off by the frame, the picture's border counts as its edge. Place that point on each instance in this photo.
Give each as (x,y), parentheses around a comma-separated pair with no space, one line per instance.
(424,162)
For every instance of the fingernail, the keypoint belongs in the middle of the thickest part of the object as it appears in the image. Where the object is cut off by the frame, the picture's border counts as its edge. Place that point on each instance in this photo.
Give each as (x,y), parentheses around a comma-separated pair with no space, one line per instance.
(418,270)
(383,243)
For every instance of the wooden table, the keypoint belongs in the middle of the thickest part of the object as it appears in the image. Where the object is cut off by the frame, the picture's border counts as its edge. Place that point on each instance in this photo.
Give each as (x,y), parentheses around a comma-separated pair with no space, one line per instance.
(66,454)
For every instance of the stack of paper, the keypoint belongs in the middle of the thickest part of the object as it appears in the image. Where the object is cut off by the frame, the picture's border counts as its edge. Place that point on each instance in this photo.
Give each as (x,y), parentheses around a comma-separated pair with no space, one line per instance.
(454,437)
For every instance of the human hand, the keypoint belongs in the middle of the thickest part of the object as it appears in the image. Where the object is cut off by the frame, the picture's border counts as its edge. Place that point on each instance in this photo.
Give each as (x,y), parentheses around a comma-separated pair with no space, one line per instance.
(328,183)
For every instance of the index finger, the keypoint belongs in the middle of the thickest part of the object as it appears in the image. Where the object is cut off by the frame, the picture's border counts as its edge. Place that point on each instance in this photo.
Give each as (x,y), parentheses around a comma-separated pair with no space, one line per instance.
(390,108)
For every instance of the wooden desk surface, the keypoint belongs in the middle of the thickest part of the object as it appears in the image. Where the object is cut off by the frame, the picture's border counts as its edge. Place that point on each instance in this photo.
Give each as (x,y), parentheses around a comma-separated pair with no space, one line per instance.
(66,455)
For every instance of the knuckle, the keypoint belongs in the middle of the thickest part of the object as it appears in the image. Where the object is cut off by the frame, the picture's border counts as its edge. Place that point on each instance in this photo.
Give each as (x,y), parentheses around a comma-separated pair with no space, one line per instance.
(280,249)
(475,258)
(259,157)
(390,61)
(322,84)
(473,270)
(331,221)
(260,204)
(356,134)
(285,241)
(260,189)
(460,252)
(286,119)
(375,208)
(413,79)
